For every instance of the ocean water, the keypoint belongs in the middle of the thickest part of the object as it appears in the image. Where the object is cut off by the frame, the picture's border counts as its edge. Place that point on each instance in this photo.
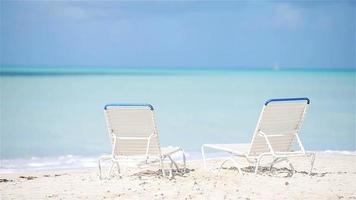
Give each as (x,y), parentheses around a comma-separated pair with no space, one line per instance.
(52,119)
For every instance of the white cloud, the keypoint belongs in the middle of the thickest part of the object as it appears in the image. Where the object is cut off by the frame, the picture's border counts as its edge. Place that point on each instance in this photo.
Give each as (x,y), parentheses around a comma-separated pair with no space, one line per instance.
(287,16)
(66,10)
(75,12)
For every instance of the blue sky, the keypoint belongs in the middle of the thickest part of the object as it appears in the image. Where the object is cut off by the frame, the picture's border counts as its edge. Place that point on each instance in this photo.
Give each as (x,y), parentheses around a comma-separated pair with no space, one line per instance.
(174,34)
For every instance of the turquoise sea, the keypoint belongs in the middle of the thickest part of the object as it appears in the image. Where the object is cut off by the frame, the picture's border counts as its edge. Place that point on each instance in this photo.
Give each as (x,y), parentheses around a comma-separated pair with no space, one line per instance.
(53,118)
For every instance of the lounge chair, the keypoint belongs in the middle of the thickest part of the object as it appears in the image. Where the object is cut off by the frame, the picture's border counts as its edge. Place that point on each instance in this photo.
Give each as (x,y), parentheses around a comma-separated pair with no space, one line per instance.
(275,135)
(134,134)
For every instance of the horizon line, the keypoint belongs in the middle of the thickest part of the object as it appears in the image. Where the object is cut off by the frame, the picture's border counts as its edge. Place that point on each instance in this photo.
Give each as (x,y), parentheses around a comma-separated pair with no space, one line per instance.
(91,67)
(43,71)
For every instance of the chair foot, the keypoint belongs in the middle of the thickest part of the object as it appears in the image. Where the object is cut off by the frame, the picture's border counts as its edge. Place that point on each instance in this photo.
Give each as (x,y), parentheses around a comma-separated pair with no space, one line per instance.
(184,161)
(312,163)
(203,156)
(102,158)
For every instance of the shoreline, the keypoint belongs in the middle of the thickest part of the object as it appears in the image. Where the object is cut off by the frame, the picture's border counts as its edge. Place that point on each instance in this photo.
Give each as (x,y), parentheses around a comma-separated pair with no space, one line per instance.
(333,177)
(73,162)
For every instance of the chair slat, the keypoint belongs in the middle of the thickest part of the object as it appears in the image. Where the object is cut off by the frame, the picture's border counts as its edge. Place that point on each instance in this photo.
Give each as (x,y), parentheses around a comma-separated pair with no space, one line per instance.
(279,118)
(132,123)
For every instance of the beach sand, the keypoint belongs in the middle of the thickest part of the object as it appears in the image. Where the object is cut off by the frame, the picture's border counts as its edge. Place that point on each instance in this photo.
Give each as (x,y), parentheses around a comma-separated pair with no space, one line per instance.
(334,177)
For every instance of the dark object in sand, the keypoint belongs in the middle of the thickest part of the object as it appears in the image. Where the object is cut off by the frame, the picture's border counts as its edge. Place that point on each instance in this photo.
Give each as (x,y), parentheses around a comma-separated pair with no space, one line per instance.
(4,180)
(28,177)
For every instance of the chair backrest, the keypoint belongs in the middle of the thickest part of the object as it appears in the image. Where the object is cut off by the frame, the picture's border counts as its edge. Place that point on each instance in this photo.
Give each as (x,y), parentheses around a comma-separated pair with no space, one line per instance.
(280,121)
(131,125)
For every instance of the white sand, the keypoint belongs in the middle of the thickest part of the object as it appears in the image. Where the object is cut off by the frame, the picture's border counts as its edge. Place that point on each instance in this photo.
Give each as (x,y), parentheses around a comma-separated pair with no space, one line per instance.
(334,178)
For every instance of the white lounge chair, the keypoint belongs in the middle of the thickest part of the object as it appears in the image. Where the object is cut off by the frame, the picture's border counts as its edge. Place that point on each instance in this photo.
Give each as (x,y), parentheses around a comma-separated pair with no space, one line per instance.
(275,135)
(134,134)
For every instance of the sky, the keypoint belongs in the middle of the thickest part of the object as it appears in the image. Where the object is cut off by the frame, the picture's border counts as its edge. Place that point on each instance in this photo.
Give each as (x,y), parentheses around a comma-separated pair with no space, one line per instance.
(179,34)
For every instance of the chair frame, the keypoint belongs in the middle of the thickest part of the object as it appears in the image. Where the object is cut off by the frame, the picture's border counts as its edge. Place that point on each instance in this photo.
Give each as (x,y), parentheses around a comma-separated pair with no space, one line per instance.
(161,157)
(277,156)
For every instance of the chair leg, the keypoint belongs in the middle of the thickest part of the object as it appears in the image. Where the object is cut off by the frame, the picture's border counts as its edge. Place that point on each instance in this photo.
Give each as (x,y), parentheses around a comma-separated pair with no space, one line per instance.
(112,167)
(203,155)
(118,166)
(184,161)
(237,165)
(222,164)
(258,163)
(239,170)
(162,166)
(173,163)
(291,167)
(256,166)
(312,162)
(99,165)
(273,163)
(171,169)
